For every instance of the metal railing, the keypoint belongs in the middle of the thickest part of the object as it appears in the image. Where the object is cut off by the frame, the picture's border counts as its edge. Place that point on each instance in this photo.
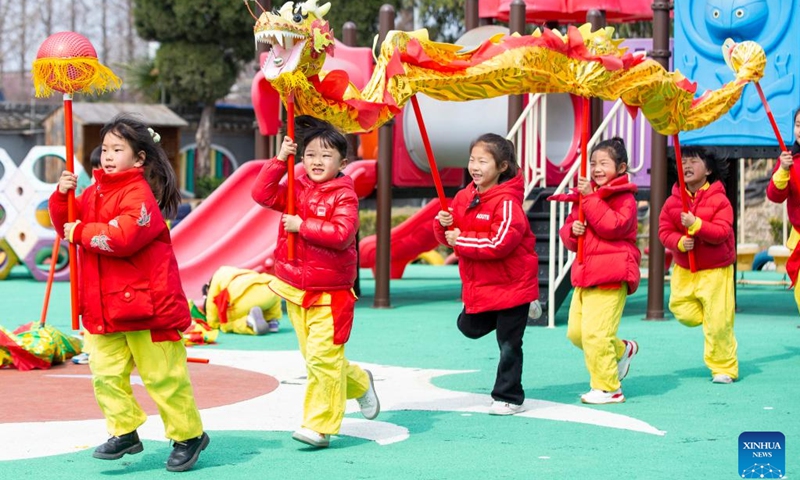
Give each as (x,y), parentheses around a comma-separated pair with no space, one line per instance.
(529,135)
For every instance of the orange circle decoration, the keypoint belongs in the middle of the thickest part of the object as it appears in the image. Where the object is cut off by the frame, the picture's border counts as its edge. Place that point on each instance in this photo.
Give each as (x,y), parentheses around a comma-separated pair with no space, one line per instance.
(67,62)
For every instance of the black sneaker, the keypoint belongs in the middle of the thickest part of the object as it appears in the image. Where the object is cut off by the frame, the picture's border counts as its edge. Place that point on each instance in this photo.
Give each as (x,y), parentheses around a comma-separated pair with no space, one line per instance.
(116,447)
(184,454)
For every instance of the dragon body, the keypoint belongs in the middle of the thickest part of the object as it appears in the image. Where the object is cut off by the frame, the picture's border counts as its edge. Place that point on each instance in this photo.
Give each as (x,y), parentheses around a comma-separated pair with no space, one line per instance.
(582,62)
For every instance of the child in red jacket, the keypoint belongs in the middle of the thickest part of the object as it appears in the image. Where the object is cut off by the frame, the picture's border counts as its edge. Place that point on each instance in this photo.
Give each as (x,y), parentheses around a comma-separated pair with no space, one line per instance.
(318,283)
(705,297)
(497,260)
(784,186)
(131,300)
(609,271)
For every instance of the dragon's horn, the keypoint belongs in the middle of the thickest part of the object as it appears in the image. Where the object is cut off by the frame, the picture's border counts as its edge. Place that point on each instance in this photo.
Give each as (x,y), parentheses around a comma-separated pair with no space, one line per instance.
(247,4)
(323,10)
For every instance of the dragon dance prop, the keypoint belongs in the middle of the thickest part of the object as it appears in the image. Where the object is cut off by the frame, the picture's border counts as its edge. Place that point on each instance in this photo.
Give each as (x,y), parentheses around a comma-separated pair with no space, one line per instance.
(581,62)
(67,62)
(36,346)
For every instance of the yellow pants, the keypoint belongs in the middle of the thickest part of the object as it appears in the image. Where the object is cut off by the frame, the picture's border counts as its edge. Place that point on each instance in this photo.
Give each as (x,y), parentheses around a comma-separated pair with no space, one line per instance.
(162,368)
(594,316)
(331,378)
(706,298)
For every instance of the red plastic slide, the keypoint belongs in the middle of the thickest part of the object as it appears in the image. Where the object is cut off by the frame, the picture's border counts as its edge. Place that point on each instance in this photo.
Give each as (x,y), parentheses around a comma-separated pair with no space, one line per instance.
(229,228)
(409,240)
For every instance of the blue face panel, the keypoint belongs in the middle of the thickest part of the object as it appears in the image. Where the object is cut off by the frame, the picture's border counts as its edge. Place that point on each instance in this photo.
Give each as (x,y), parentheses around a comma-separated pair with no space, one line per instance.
(701,26)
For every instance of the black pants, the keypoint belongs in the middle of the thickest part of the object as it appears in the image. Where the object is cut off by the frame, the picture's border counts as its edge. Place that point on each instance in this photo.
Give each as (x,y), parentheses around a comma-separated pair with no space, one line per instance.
(510,326)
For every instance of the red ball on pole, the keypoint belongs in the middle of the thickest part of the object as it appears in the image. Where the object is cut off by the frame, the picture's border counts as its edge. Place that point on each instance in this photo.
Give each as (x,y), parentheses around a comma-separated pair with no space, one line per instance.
(67,62)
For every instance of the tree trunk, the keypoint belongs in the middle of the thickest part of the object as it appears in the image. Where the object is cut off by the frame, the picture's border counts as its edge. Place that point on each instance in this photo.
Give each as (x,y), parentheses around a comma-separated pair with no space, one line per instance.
(203,140)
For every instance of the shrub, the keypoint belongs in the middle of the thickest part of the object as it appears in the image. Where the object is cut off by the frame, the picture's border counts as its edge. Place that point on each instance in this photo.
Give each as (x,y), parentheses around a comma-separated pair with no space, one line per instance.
(203,186)
(776,227)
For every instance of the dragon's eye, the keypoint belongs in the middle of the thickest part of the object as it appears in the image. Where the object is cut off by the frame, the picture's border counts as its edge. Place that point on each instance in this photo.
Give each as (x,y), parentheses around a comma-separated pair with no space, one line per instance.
(297,18)
(715,14)
(739,13)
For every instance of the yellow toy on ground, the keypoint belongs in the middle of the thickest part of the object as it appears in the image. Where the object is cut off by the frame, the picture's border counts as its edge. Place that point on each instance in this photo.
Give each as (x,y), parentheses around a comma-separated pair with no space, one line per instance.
(240,301)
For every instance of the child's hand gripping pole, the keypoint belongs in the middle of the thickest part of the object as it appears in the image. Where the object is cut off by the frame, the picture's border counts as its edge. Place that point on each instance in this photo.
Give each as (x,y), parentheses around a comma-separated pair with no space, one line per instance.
(584,162)
(772,122)
(437,181)
(290,207)
(684,195)
(73,249)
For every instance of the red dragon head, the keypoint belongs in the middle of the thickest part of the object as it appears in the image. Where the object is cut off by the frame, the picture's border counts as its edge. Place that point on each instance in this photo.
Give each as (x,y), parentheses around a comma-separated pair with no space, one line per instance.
(299,37)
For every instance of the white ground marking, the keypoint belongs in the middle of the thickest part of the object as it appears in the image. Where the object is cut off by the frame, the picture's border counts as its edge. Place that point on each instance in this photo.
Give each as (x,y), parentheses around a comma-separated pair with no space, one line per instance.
(398,388)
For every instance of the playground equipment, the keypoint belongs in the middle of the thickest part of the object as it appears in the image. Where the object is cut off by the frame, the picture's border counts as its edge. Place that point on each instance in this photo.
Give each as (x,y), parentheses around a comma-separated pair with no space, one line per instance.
(26,234)
(228,228)
(701,27)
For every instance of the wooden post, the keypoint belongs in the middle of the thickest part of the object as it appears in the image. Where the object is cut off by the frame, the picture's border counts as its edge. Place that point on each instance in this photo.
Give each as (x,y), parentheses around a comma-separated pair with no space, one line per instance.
(658,173)
(471,14)
(516,24)
(383,223)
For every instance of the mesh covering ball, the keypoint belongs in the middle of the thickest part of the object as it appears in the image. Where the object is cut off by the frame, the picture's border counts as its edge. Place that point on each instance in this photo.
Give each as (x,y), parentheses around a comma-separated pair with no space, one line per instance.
(67,62)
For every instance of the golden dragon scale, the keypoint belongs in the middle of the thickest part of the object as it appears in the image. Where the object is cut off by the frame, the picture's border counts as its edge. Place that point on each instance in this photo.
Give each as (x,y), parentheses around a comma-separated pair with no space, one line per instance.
(582,62)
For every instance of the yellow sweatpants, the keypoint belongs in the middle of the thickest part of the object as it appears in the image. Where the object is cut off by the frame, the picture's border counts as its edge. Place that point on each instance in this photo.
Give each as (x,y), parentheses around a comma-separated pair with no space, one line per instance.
(707,298)
(331,378)
(594,316)
(162,368)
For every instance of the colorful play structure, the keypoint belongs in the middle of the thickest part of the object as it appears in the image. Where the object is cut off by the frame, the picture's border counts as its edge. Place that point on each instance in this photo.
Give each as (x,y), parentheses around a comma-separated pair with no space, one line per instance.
(227,228)
(26,234)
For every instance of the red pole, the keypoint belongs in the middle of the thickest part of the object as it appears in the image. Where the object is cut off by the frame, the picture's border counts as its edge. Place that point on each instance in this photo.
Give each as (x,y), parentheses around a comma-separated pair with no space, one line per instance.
(290,207)
(50,275)
(196,360)
(73,249)
(584,162)
(684,195)
(437,180)
(771,117)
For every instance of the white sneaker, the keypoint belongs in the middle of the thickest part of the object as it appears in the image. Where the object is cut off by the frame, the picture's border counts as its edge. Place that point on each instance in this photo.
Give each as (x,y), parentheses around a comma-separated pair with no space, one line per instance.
(255,320)
(369,403)
(624,363)
(601,397)
(505,408)
(722,378)
(535,311)
(310,437)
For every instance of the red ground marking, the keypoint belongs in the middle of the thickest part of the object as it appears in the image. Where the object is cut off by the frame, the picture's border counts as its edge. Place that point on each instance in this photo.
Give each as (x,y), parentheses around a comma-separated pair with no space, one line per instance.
(45,395)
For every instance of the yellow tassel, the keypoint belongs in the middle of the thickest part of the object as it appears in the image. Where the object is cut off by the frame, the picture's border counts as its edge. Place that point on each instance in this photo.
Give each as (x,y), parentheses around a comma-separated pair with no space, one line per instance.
(72,75)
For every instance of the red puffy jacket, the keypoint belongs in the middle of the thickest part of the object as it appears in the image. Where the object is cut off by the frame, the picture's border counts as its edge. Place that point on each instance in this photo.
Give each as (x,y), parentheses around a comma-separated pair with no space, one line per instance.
(325,249)
(610,252)
(496,249)
(128,273)
(714,243)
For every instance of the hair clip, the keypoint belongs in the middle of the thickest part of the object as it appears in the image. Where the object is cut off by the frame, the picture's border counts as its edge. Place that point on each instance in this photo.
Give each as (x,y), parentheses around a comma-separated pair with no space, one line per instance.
(154,134)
